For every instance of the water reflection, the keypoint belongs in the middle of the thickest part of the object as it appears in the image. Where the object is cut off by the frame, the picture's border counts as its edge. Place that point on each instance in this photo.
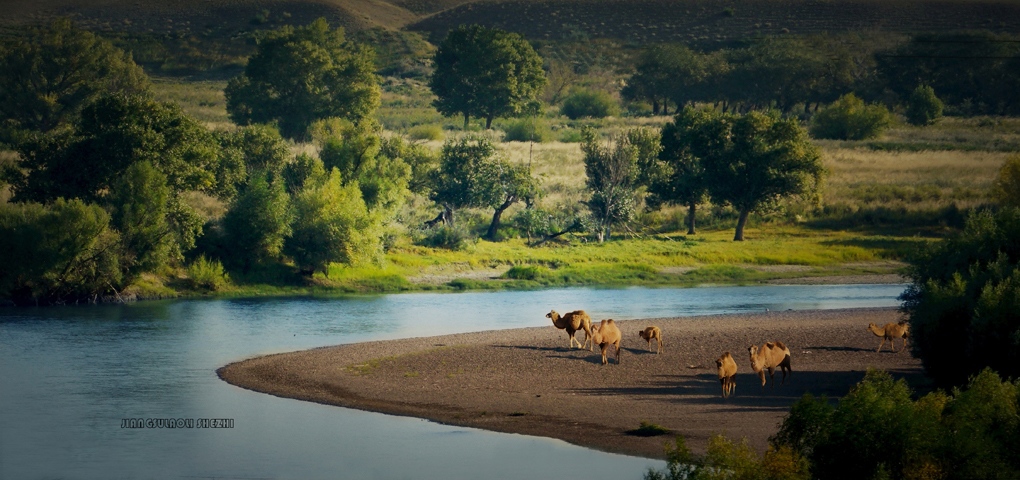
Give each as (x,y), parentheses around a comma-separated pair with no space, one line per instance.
(71,374)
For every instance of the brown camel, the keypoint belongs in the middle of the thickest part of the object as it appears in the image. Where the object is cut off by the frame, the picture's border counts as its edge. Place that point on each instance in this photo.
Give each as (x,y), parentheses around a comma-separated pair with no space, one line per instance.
(890,332)
(572,322)
(727,373)
(770,356)
(651,333)
(606,334)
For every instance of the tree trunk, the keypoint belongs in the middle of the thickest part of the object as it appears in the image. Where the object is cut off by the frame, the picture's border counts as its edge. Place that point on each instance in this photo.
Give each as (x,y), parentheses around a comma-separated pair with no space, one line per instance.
(655,107)
(494,226)
(449,215)
(466,118)
(691,210)
(739,236)
(488,122)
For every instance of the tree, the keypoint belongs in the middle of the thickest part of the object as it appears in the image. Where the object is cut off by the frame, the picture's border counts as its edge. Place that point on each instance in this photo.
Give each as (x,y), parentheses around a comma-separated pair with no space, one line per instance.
(332,224)
(356,152)
(680,177)
(850,119)
(487,73)
(139,205)
(112,133)
(260,147)
(299,75)
(46,77)
(57,253)
(1007,185)
(964,300)
(502,185)
(751,161)
(923,107)
(612,181)
(456,183)
(257,222)
(667,74)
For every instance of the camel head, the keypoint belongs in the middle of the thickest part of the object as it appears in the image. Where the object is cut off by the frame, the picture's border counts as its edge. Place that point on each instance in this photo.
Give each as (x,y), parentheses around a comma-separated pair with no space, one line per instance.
(553,315)
(753,350)
(718,363)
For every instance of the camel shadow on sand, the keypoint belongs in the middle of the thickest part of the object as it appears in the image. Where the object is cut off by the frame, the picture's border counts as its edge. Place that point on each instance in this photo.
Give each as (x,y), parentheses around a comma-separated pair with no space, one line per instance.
(705,389)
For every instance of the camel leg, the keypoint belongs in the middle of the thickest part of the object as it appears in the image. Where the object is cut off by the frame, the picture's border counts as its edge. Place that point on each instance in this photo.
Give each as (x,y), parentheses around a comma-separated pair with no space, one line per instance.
(660,347)
(772,377)
(617,354)
(880,346)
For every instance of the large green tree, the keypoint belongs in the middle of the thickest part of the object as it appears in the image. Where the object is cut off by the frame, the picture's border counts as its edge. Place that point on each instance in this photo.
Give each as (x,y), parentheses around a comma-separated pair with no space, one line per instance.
(678,177)
(751,161)
(670,74)
(612,180)
(356,152)
(332,224)
(300,75)
(486,72)
(48,75)
(112,133)
(57,253)
(257,223)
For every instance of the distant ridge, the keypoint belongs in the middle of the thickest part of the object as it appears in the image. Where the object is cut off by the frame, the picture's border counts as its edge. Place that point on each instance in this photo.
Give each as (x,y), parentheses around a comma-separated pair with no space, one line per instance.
(639,21)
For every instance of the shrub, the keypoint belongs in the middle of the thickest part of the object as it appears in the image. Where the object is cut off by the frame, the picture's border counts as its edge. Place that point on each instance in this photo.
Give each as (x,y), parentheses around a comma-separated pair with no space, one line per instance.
(523,272)
(850,119)
(725,459)
(1007,185)
(964,303)
(583,103)
(444,236)
(923,107)
(571,135)
(207,274)
(878,431)
(425,132)
(527,130)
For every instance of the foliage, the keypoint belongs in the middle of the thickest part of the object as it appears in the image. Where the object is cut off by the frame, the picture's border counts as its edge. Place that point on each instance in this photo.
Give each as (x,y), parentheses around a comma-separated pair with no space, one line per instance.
(261,149)
(751,161)
(113,133)
(457,183)
(486,73)
(58,253)
(501,184)
(964,301)
(648,429)
(1007,184)
(257,223)
(527,130)
(878,431)
(678,176)
(304,170)
(850,119)
(140,206)
(981,79)
(611,173)
(46,78)
(421,159)
(207,274)
(450,237)
(670,74)
(727,460)
(425,132)
(299,75)
(584,103)
(923,107)
(356,154)
(333,224)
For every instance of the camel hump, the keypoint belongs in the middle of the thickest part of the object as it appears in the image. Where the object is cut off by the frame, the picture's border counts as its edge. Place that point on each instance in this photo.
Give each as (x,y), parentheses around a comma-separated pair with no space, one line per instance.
(770,345)
(780,345)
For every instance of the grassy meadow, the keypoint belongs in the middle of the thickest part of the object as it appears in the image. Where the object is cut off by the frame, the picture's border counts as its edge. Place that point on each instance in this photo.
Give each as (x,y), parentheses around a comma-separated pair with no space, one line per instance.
(881,200)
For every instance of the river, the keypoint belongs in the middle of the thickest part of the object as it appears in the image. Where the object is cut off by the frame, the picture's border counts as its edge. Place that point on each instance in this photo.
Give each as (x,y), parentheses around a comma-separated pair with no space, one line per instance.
(71,376)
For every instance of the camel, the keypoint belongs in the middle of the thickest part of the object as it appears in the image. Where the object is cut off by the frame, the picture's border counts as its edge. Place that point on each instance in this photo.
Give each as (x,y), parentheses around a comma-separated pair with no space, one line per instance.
(648,334)
(572,322)
(769,357)
(606,334)
(727,373)
(890,332)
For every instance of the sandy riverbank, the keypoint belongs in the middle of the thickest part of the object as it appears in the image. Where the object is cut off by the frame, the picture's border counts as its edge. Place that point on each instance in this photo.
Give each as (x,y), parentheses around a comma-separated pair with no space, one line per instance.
(527,380)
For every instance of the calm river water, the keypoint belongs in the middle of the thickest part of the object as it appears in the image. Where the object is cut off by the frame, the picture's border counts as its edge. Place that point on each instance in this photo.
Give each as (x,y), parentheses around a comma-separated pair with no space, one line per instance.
(70,375)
